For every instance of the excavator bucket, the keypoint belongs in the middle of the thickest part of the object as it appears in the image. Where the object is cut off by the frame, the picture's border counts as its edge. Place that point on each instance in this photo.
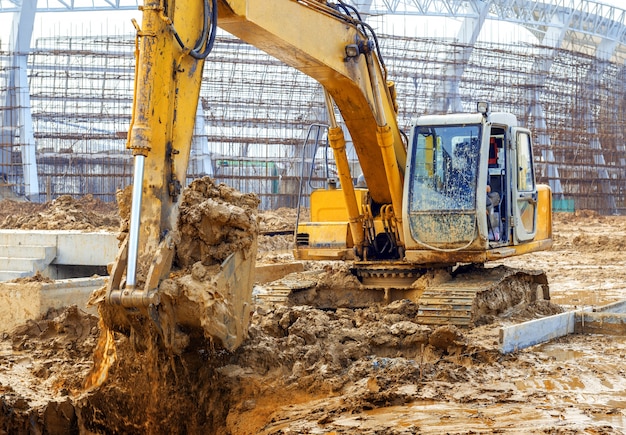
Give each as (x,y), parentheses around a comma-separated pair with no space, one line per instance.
(206,286)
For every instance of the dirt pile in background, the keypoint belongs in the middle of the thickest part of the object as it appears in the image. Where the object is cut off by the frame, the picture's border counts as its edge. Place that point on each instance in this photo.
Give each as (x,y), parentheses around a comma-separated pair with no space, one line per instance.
(87,213)
(591,232)
(64,213)
(276,232)
(280,220)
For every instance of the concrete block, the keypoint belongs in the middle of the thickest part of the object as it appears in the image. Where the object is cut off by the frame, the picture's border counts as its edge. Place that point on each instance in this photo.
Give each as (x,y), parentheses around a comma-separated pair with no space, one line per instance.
(75,291)
(30,300)
(86,249)
(24,259)
(271,272)
(601,323)
(27,237)
(523,335)
(7,275)
(608,319)
(62,247)
(33,251)
(26,264)
(615,307)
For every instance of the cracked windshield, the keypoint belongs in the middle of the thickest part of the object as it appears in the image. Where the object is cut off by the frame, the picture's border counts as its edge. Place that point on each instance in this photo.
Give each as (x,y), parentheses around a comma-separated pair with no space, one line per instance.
(445,171)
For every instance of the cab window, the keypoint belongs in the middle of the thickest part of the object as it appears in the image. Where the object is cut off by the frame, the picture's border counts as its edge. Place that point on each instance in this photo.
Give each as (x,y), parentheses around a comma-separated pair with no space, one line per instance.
(525,176)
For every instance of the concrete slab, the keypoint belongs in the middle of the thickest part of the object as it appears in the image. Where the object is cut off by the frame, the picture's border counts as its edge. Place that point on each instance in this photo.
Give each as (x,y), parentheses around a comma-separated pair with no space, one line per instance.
(28,238)
(608,319)
(29,300)
(27,264)
(523,335)
(86,249)
(615,307)
(265,273)
(95,248)
(33,251)
(8,275)
(53,253)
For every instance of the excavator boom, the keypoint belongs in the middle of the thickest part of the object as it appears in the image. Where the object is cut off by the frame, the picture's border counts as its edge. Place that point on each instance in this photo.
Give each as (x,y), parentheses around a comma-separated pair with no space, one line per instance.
(331,47)
(329,44)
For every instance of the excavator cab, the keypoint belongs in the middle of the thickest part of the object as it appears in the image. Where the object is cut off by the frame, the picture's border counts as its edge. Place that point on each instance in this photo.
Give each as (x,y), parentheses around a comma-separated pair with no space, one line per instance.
(470,190)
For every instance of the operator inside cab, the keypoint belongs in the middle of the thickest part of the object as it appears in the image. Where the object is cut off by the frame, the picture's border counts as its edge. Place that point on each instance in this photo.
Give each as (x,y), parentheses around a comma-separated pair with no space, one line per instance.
(493,186)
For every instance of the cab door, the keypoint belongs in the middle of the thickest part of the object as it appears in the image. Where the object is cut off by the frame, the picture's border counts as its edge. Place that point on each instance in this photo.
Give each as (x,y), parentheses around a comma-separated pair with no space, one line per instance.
(524,187)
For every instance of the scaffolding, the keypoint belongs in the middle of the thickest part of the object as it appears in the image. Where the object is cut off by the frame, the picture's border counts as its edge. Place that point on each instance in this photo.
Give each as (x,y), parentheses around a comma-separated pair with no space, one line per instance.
(254,113)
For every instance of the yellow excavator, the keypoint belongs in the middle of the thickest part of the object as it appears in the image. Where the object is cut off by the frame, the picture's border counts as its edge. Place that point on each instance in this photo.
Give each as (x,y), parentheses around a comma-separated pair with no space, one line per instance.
(425,210)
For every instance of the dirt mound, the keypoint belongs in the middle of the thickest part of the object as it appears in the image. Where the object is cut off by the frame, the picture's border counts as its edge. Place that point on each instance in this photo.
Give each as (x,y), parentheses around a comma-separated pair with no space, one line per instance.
(290,349)
(64,213)
(44,363)
(276,230)
(366,371)
(302,370)
(214,221)
(89,213)
(37,277)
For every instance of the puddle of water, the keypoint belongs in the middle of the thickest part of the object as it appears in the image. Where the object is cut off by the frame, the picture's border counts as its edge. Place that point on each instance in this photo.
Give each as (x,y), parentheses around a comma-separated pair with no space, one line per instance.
(575,294)
(559,354)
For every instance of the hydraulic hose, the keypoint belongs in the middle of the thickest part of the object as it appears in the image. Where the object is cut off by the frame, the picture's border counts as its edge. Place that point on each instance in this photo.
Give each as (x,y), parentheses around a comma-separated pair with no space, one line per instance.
(209,30)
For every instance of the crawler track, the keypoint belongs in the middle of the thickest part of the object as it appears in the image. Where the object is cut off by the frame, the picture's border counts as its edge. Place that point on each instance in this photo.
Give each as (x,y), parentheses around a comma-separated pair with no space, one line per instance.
(471,296)
(474,293)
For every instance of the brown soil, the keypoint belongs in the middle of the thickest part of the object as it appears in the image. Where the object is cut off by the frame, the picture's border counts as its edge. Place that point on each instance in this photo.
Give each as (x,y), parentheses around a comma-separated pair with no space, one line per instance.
(64,213)
(367,371)
(199,294)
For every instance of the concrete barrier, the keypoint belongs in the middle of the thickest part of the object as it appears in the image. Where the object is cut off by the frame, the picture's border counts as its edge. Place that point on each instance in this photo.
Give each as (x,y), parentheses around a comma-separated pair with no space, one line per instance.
(55,253)
(29,300)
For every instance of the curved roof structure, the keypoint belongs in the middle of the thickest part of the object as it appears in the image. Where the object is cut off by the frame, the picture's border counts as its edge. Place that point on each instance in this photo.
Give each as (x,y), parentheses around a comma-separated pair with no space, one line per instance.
(586,22)
(567,85)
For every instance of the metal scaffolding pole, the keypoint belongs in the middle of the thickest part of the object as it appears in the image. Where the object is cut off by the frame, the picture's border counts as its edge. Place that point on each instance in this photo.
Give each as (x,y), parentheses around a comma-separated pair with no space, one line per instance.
(17,126)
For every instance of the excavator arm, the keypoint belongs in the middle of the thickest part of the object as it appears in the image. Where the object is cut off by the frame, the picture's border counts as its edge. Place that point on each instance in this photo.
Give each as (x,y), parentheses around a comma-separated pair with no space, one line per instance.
(330,44)
(171,45)
(316,40)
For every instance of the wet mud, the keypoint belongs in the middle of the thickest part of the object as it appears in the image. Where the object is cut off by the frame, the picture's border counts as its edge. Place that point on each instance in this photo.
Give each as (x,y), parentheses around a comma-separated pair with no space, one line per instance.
(366,371)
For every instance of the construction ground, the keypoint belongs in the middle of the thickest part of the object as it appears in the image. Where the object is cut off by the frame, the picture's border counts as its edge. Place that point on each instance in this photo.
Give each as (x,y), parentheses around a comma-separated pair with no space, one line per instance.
(549,367)
(308,371)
